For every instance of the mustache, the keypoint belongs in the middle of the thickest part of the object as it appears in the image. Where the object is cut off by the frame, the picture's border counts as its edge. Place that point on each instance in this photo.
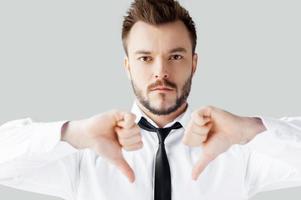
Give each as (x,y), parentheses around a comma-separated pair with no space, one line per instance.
(162,83)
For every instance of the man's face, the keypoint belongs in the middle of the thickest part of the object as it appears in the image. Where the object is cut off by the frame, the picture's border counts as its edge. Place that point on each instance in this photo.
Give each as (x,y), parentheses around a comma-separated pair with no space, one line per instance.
(160,65)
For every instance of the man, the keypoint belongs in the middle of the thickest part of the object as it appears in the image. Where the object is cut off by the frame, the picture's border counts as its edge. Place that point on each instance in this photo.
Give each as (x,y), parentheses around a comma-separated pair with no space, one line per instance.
(165,150)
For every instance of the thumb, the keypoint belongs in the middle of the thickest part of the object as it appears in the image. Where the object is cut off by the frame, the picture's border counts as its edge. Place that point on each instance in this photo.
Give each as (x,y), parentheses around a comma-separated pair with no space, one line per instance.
(211,150)
(201,164)
(125,168)
(128,120)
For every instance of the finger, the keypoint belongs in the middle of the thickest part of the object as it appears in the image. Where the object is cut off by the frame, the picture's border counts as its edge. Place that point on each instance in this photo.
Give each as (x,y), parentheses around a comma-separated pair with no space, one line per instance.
(201,116)
(128,120)
(201,130)
(195,135)
(125,168)
(134,147)
(127,133)
(130,141)
(201,164)
(212,148)
(193,139)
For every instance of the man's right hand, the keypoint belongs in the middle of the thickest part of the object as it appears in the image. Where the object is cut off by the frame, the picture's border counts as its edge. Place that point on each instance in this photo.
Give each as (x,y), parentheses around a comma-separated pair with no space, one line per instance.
(106,134)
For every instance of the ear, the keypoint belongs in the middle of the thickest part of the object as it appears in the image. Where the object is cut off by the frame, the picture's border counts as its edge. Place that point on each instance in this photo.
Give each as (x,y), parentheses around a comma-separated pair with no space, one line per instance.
(194,62)
(126,66)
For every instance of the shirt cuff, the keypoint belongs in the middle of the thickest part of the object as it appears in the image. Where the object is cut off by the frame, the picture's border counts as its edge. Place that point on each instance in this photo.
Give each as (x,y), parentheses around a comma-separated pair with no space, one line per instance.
(270,124)
(284,129)
(47,136)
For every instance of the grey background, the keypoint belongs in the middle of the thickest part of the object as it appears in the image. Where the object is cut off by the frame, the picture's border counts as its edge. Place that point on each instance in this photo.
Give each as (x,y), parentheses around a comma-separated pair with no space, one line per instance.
(62,59)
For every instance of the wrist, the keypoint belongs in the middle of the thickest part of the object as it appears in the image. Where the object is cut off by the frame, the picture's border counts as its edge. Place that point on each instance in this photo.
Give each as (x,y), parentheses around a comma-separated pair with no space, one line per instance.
(252,126)
(72,133)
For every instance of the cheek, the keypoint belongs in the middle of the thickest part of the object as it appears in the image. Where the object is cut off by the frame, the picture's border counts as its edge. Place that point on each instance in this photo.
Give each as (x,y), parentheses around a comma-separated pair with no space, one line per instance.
(182,75)
(140,81)
(182,81)
(138,69)
(140,76)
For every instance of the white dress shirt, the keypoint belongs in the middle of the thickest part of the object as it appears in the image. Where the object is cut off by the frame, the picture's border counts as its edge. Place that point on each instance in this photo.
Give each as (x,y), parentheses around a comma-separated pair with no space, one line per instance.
(33,158)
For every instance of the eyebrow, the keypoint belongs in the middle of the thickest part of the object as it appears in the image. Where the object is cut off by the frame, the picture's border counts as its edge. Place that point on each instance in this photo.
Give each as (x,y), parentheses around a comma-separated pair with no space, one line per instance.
(142,52)
(178,49)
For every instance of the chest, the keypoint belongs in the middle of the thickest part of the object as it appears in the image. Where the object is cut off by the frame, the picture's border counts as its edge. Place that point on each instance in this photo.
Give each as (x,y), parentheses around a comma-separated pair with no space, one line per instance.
(222,179)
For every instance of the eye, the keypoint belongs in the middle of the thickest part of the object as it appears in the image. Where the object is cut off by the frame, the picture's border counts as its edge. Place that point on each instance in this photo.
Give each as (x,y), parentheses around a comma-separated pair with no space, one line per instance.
(176,57)
(145,58)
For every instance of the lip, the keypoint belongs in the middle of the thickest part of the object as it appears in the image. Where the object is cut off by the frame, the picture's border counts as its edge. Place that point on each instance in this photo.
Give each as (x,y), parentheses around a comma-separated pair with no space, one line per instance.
(162,89)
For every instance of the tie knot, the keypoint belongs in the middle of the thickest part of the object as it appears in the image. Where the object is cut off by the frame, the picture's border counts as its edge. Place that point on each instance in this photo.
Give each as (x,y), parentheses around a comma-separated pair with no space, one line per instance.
(161,132)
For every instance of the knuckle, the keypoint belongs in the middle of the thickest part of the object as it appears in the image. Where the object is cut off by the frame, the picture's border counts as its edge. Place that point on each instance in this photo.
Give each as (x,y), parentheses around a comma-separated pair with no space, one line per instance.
(140,144)
(118,130)
(139,137)
(120,133)
(121,141)
(137,129)
(136,139)
(205,129)
(132,115)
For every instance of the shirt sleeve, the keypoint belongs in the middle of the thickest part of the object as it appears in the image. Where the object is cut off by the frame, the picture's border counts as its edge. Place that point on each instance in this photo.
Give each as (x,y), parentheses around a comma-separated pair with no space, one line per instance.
(274,156)
(33,158)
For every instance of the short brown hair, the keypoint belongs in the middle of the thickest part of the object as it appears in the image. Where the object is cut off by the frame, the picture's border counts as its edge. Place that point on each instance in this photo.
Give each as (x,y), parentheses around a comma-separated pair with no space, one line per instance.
(156,12)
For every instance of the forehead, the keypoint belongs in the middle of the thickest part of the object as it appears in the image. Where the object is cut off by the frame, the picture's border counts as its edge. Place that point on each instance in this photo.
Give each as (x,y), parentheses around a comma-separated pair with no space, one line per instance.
(158,38)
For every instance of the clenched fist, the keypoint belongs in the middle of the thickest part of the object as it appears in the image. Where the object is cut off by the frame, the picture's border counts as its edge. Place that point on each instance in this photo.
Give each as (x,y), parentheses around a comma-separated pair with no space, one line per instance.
(106,134)
(216,131)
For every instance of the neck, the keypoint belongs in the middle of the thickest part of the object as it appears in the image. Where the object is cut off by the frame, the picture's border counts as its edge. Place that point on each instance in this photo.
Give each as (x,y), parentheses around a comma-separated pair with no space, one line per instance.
(162,120)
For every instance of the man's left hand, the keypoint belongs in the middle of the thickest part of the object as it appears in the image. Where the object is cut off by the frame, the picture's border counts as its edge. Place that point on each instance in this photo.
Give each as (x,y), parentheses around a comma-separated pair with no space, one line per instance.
(216,131)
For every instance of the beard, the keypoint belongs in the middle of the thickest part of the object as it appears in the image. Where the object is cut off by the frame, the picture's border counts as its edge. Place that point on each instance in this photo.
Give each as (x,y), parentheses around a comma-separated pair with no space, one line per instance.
(179,101)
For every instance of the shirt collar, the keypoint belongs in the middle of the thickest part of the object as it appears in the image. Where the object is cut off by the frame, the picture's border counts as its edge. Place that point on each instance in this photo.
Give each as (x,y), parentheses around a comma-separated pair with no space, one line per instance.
(183,118)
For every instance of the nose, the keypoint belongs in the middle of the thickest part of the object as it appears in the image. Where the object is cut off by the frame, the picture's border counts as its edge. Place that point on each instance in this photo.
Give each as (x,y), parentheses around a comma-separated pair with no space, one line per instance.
(161,71)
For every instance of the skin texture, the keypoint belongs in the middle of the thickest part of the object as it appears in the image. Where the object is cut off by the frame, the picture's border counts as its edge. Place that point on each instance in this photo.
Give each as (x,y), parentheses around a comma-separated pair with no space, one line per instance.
(160,56)
(216,131)
(107,134)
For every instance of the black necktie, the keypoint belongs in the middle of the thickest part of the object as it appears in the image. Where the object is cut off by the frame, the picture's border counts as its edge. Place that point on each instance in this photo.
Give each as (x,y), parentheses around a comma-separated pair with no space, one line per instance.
(162,171)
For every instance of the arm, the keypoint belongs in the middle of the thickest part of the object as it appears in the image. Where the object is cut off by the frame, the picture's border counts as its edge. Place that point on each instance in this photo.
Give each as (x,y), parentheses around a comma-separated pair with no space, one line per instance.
(31,153)
(274,156)
(271,147)
(44,157)
(24,136)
